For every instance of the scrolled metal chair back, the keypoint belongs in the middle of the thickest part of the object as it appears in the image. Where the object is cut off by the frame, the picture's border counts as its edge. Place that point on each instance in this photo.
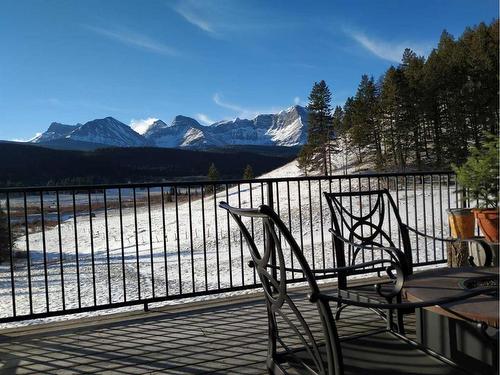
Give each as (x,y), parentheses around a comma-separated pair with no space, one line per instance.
(368,228)
(282,310)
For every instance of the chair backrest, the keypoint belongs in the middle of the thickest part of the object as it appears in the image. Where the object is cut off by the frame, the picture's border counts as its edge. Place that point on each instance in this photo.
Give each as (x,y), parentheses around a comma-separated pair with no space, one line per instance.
(367,218)
(286,316)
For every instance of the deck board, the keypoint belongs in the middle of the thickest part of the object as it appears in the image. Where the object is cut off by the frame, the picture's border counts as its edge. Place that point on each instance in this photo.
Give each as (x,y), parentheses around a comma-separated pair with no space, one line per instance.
(217,338)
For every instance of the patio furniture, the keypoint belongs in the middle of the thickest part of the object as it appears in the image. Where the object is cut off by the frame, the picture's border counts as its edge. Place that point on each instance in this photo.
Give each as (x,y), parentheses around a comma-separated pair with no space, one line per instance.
(295,346)
(467,331)
(367,234)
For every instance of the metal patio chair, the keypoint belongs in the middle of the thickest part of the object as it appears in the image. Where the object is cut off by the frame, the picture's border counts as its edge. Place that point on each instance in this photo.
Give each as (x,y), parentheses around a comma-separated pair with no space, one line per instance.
(303,338)
(367,235)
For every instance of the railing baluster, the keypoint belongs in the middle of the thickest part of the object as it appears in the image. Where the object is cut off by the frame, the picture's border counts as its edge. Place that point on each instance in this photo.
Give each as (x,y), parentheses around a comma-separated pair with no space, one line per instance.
(229,241)
(191,239)
(289,222)
(441,215)
(381,237)
(44,252)
(28,254)
(425,219)
(334,261)
(397,206)
(124,274)
(179,268)
(300,217)
(252,225)
(204,236)
(370,210)
(59,237)
(214,187)
(361,215)
(106,232)
(416,214)
(241,242)
(137,245)
(151,254)
(349,253)
(311,227)
(164,239)
(92,247)
(323,264)
(432,217)
(11,255)
(77,255)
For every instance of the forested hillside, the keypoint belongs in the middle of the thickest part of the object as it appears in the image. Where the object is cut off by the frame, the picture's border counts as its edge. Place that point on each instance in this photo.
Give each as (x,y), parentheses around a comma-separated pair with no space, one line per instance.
(428,112)
(33,165)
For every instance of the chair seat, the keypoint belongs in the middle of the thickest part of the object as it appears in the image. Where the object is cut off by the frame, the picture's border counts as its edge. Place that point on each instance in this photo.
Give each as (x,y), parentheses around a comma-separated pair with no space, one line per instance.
(368,291)
(385,353)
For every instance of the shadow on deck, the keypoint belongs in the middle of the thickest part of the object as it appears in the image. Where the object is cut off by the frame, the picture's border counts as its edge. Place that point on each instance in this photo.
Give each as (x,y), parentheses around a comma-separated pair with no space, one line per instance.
(219,337)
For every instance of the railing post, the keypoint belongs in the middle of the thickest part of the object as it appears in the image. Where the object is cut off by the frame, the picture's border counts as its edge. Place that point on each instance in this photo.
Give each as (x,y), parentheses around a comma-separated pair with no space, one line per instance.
(269,240)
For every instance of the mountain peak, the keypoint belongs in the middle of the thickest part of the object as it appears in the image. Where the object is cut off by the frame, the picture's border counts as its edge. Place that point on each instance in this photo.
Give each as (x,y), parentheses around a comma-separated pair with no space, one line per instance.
(180,120)
(107,131)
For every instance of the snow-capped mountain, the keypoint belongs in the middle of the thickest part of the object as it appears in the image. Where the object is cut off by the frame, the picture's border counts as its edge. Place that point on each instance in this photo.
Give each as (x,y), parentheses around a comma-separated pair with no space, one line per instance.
(55,131)
(107,131)
(286,128)
(289,127)
(182,132)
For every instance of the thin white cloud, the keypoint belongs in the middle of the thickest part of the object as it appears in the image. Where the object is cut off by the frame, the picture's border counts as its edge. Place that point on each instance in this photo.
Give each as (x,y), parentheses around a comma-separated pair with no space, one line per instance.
(241,111)
(391,51)
(130,38)
(142,125)
(296,100)
(204,119)
(192,14)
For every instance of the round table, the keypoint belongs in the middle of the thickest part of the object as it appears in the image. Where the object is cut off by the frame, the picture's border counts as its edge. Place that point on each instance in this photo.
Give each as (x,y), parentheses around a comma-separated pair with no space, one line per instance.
(444,282)
(452,330)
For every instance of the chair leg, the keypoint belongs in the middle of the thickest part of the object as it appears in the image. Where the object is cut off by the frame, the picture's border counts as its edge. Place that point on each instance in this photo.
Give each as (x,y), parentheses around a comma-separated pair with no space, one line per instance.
(401,324)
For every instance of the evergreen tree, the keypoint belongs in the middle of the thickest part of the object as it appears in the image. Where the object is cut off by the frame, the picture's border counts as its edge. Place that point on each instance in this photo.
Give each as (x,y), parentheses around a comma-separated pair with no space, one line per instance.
(213,173)
(314,155)
(339,134)
(248,173)
(305,158)
(363,114)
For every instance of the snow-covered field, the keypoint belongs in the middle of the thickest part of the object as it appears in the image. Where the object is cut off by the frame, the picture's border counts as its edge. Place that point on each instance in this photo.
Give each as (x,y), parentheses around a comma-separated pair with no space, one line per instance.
(192,247)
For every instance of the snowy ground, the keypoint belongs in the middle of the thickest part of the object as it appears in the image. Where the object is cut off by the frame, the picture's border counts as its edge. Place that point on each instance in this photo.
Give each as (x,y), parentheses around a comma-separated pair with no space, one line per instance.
(199,251)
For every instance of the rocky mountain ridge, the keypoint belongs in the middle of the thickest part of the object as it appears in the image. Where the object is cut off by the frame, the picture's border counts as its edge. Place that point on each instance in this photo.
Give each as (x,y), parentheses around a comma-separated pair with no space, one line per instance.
(286,128)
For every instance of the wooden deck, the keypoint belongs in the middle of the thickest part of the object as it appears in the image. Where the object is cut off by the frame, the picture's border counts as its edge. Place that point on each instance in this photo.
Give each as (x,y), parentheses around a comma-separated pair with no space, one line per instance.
(220,337)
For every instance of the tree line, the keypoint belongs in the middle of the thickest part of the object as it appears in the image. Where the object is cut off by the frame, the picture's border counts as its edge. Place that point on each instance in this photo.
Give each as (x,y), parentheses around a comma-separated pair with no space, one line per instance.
(425,113)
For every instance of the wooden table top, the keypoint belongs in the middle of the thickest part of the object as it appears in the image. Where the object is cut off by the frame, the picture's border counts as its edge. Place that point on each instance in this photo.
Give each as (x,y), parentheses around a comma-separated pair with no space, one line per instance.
(443,282)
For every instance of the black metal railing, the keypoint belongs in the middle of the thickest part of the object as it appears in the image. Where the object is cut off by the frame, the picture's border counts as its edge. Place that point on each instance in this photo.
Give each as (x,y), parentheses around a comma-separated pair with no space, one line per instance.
(76,249)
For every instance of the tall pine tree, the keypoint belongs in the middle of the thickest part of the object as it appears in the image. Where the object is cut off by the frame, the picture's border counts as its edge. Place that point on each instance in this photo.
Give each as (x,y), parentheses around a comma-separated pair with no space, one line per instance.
(315,153)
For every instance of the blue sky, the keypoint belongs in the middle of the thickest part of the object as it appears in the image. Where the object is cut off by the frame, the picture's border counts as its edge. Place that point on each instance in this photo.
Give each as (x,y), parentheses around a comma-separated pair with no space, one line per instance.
(73,61)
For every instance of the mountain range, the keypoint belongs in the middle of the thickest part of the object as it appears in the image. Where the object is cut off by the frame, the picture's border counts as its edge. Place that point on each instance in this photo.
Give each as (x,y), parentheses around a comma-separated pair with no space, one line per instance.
(286,128)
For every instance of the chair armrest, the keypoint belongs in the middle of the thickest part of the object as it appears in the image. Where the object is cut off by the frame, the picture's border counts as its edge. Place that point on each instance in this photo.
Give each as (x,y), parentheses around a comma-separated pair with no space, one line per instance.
(329,270)
(416,231)
(354,299)
(479,240)
(397,279)
(395,253)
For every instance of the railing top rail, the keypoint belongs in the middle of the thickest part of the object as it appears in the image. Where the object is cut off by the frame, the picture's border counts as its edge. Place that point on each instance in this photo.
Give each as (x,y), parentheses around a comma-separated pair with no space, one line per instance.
(192,183)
